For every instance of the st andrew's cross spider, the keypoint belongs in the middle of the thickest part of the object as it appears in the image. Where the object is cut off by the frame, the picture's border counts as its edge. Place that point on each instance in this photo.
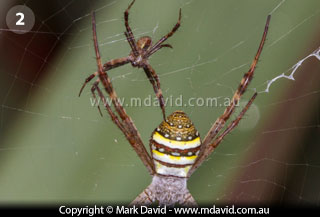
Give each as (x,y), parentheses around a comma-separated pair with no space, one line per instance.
(175,145)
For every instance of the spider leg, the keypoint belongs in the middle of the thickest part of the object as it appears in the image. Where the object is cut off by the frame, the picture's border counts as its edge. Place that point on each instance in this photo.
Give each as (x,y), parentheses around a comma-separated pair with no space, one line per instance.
(157,48)
(211,147)
(132,43)
(154,80)
(113,116)
(107,66)
(220,122)
(88,79)
(145,198)
(115,63)
(125,123)
(164,38)
(128,33)
(93,89)
(189,201)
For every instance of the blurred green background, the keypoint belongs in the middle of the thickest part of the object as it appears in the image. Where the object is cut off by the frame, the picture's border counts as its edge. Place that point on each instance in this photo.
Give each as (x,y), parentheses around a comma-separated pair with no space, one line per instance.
(55,147)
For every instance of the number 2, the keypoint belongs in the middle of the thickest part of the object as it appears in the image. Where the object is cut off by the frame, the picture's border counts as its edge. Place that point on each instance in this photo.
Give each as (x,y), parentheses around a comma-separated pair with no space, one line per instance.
(20,21)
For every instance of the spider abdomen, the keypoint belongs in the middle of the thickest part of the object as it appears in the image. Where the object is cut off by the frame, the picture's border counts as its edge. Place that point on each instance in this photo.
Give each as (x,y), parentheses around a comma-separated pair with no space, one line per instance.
(175,145)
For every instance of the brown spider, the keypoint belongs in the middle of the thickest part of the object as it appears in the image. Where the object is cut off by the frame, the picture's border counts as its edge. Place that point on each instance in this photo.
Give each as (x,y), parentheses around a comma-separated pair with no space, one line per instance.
(138,57)
(176,147)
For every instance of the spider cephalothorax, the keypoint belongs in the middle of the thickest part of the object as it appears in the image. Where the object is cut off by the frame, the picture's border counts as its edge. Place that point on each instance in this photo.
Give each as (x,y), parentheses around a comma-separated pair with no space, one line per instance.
(176,148)
(141,50)
(144,43)
(175,145)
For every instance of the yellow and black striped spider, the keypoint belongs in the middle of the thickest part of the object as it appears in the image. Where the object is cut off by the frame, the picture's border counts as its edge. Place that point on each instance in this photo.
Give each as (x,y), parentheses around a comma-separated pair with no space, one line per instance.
(141,50)
(176,147)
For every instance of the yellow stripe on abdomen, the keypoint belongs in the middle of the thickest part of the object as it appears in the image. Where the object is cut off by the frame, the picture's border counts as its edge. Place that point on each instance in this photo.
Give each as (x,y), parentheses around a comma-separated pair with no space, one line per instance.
(176,144)
(167,158)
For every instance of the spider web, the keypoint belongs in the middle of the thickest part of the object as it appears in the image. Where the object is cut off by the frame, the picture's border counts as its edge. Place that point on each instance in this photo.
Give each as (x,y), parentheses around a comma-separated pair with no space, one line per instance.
(55,147)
